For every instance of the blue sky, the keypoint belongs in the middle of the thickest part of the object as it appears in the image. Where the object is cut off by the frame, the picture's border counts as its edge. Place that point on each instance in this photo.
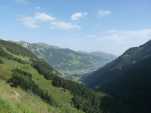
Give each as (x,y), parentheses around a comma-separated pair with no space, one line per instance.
(88,25)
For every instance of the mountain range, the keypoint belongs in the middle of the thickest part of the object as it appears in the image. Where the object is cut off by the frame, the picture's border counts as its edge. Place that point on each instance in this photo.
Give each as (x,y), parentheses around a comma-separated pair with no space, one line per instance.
(121,86)
(127,79)
(30,85)
(73,64)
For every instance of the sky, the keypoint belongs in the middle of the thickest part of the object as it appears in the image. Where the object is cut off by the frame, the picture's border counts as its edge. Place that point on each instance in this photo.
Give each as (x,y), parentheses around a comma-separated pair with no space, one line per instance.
(110,26)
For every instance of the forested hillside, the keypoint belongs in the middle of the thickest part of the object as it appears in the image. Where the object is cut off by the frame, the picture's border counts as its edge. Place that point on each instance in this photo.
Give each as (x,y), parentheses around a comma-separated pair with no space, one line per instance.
(73,64)
(27,82)
(127,79)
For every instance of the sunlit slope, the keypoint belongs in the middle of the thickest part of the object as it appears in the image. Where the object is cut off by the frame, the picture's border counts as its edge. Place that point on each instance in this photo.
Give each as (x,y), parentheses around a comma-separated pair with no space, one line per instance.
(74,64)
(29,85)
(19,100)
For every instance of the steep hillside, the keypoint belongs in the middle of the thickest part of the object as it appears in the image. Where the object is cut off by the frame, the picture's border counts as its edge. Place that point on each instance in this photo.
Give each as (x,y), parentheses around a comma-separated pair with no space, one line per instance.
(115,69)
(29,85)
(68,61)
(127,79)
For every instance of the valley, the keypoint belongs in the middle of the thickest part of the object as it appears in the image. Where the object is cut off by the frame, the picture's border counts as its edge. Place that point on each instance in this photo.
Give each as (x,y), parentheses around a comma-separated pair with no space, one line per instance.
(72,64)
(27,82)
(75,56)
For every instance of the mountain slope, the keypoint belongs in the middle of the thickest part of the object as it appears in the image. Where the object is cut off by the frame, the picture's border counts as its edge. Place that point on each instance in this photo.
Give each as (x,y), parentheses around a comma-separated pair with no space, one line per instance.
(130,57)
(127,79)
(68,61)
(27,82)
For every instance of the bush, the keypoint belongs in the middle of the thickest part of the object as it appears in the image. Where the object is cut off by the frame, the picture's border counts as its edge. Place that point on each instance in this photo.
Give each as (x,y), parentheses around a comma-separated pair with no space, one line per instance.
(1,62)
(83,98)
(48,72)
(24,80)
(16,49)
(4,54)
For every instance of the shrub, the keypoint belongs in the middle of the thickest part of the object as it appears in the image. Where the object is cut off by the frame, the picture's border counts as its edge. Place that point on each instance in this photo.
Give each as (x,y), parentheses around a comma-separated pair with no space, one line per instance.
(4,54)
(24,80)
(48,72)
(1,62)
(16,49)
(83,98)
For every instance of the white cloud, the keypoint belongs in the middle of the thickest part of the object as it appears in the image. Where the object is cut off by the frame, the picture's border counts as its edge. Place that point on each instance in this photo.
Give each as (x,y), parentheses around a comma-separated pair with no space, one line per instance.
(36,20)
(29,22)
(112,41)
(78,15)
(44,17)
(117,41)
(39,18)
(65,25)
(104,13)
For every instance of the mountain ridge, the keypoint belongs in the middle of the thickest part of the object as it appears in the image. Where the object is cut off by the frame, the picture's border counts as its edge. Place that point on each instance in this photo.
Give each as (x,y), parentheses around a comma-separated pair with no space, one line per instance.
(27,82)
(68,61)
(127,79)
(129,57)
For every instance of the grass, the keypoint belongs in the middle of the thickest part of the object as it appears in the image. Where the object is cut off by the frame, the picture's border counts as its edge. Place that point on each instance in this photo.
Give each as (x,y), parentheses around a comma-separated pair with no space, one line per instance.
(16,100)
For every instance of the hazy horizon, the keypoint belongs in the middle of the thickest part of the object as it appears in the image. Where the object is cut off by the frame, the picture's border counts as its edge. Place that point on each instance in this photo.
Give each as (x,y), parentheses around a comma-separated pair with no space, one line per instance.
(78,50)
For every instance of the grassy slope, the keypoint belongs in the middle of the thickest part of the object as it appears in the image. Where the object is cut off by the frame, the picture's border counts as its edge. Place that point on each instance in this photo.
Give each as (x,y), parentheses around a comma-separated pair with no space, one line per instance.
(68,61)
(16,100)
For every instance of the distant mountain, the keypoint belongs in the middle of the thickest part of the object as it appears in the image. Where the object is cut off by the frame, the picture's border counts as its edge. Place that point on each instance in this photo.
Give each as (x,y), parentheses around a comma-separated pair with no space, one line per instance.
(68,61)
(30,85)
(130,57)
(127,79)
(103,55)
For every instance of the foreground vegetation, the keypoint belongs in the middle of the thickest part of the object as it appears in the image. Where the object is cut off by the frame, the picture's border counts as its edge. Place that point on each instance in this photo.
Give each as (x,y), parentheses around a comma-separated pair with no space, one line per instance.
(27,82)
